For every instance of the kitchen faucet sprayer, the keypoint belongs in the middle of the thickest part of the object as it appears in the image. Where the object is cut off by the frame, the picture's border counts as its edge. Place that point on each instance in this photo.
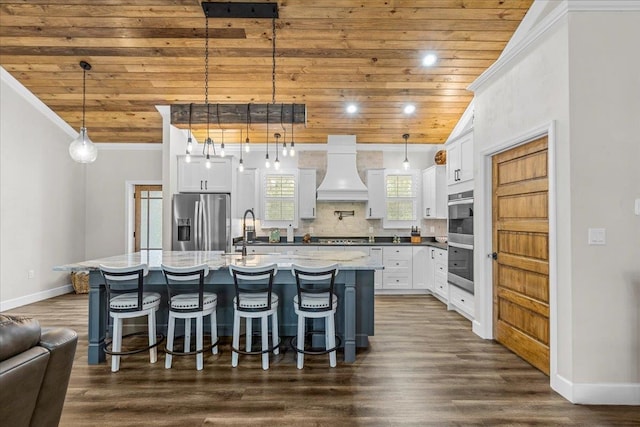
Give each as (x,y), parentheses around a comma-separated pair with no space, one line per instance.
(244,229)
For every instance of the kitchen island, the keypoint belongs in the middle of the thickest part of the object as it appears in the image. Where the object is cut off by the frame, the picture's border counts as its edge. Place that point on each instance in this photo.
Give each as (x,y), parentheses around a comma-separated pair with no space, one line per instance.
(354,288)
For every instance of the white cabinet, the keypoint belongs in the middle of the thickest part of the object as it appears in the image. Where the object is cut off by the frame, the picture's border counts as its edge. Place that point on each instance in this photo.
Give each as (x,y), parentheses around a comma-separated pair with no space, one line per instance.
(434,192)
(307,193)
(422,268)
(461,301)
(375,252)
(397,273)
(195,177)
(460,159)
(375,187)
(440,284)
(247,192)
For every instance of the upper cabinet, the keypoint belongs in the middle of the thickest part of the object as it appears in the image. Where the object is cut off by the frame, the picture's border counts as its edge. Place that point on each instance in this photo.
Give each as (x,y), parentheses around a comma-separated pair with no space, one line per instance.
(434,192)
(307,193)
(195,177)
(247,196)
(460,159)
(375,188)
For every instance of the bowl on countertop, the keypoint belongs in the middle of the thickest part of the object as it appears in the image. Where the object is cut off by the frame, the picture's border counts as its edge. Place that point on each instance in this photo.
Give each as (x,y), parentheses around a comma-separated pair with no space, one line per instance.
(441,239)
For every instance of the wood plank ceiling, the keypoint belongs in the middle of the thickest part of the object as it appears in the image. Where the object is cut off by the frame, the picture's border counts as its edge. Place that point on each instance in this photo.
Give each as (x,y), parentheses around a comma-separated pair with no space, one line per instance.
(328,53)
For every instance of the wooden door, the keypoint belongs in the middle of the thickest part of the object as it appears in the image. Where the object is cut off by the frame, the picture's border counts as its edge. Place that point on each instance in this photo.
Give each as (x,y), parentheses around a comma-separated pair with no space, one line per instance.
(521,242)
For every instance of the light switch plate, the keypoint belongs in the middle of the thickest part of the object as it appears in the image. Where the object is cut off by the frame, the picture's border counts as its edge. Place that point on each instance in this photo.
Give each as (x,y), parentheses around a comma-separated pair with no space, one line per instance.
(597,236)
(637,207)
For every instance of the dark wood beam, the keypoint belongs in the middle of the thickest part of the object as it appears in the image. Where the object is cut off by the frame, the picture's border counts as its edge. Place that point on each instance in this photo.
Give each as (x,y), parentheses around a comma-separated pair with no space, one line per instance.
(237,113)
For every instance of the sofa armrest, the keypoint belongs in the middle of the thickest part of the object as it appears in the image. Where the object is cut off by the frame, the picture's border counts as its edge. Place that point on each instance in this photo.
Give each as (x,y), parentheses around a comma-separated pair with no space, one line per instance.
(61,343)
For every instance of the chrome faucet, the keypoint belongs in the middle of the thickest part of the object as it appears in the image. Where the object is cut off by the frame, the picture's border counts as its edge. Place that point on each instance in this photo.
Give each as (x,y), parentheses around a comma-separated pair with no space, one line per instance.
(244,230)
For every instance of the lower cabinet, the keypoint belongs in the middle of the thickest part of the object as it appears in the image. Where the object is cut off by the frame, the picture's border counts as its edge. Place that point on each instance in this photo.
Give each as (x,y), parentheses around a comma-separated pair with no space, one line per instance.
(461,301)
(440,283)
(397,273)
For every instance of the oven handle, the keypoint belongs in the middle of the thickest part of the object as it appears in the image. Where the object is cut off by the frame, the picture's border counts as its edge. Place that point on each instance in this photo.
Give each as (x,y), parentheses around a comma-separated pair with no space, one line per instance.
(461,202)
(461,245)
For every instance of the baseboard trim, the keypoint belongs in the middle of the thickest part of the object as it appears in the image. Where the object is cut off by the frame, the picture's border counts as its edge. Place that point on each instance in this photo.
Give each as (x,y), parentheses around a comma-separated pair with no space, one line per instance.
(38,296)
(597,394)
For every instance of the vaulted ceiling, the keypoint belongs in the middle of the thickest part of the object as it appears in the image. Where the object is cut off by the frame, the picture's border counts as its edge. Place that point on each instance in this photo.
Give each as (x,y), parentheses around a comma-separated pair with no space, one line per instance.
(328,53)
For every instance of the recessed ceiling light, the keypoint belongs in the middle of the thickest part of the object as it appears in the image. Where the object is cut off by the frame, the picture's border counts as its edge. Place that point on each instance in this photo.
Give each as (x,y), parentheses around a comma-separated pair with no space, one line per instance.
(429,59)
(352,108)
(409,109)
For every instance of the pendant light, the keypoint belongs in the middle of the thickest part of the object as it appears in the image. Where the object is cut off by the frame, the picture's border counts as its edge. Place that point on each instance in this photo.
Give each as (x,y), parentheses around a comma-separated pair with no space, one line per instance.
(267,163)
(246,141)
(241,163)
(208,148)
(221,131)
(189,139)
(82,149)
(284,140)
(292,149)
(405,164)
(276,164)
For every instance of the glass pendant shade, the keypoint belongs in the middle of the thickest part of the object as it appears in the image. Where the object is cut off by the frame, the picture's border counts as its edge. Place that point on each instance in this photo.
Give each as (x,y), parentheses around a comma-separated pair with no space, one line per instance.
(241,166)
(82,149)
(292,150)
(405,164)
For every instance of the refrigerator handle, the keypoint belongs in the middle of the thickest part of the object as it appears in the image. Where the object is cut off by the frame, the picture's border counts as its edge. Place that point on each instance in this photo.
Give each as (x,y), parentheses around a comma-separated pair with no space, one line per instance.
(204,218)
(196,225)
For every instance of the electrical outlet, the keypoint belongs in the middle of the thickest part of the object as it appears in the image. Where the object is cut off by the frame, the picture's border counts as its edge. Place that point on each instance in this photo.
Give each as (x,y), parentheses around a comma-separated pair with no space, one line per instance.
(31,274)
(432,229)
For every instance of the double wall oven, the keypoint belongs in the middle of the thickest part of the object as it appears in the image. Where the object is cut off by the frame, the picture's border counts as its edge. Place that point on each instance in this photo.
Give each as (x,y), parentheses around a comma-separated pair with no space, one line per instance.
(461,240)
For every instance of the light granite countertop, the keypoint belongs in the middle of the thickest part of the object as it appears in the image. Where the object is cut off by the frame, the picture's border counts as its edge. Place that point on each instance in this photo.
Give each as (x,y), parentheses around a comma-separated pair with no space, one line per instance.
(347,260)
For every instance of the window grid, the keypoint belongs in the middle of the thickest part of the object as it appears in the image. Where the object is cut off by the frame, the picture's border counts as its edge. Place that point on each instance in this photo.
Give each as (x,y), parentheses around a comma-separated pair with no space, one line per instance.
(279,202)
(400,192)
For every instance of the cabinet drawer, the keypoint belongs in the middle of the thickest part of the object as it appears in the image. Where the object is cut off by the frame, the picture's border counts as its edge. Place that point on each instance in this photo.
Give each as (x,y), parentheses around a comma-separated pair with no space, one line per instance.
(396,281)
(397,263)
(441,287)
(462,299)
(440,271)
(440,256)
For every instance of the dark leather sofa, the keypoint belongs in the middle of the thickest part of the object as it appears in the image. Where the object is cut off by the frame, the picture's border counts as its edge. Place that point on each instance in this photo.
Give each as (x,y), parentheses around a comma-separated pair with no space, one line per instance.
(35,365)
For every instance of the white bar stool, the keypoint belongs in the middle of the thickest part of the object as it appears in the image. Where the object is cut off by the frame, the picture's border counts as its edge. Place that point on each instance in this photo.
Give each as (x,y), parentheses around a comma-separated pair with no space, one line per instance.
(189,301)
(127,299)
(254,299)
(315,300)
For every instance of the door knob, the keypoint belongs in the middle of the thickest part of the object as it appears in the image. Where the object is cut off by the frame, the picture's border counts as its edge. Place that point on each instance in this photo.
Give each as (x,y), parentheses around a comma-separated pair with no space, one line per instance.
(493,256)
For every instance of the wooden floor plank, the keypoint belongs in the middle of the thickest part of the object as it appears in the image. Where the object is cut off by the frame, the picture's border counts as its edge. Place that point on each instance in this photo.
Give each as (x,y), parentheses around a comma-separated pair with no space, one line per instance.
(424,367)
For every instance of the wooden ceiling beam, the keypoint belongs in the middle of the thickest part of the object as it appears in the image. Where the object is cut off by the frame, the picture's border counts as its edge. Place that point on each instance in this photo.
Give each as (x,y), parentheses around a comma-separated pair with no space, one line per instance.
(238,113)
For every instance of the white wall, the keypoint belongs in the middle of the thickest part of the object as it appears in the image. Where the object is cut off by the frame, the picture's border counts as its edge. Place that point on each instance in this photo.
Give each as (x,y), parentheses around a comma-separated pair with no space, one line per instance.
(42,199)
(106,196)
(580,76)
(605,180)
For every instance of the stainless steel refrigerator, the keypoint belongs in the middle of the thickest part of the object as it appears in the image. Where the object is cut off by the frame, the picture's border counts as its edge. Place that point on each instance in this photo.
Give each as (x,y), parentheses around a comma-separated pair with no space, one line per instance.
(201,222)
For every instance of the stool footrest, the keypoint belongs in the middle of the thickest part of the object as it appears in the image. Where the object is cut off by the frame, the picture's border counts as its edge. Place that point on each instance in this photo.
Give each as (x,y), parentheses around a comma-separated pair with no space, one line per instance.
(190,353)
(107,345)
(294,341)
(253,353)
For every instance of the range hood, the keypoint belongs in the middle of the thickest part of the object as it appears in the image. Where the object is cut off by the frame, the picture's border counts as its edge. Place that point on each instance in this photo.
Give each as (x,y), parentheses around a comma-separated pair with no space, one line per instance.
(342,182)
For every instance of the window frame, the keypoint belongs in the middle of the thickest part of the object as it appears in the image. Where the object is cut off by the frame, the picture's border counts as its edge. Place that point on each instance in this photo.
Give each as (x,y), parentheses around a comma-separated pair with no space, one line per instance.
(415,199)
(265,223)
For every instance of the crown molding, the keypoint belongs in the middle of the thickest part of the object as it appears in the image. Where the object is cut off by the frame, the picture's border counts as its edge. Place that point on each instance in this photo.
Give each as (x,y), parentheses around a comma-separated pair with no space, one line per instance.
(128,146)
(527,33)
(36,103)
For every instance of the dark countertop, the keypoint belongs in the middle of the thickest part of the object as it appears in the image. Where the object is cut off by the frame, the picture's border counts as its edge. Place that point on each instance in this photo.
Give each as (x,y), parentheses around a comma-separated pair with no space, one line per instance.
(315,241)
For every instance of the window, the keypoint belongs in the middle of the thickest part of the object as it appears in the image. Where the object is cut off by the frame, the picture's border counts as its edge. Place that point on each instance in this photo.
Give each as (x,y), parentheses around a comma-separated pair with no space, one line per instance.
(279,203)
(148,217)
(400,199)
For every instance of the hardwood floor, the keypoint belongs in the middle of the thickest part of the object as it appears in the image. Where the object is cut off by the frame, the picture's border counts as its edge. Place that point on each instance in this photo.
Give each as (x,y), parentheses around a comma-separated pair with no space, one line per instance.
(424,367)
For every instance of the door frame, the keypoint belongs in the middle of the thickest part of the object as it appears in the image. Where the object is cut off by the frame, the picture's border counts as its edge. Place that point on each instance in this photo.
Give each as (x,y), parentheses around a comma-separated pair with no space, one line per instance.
(483,324)
(130,211)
